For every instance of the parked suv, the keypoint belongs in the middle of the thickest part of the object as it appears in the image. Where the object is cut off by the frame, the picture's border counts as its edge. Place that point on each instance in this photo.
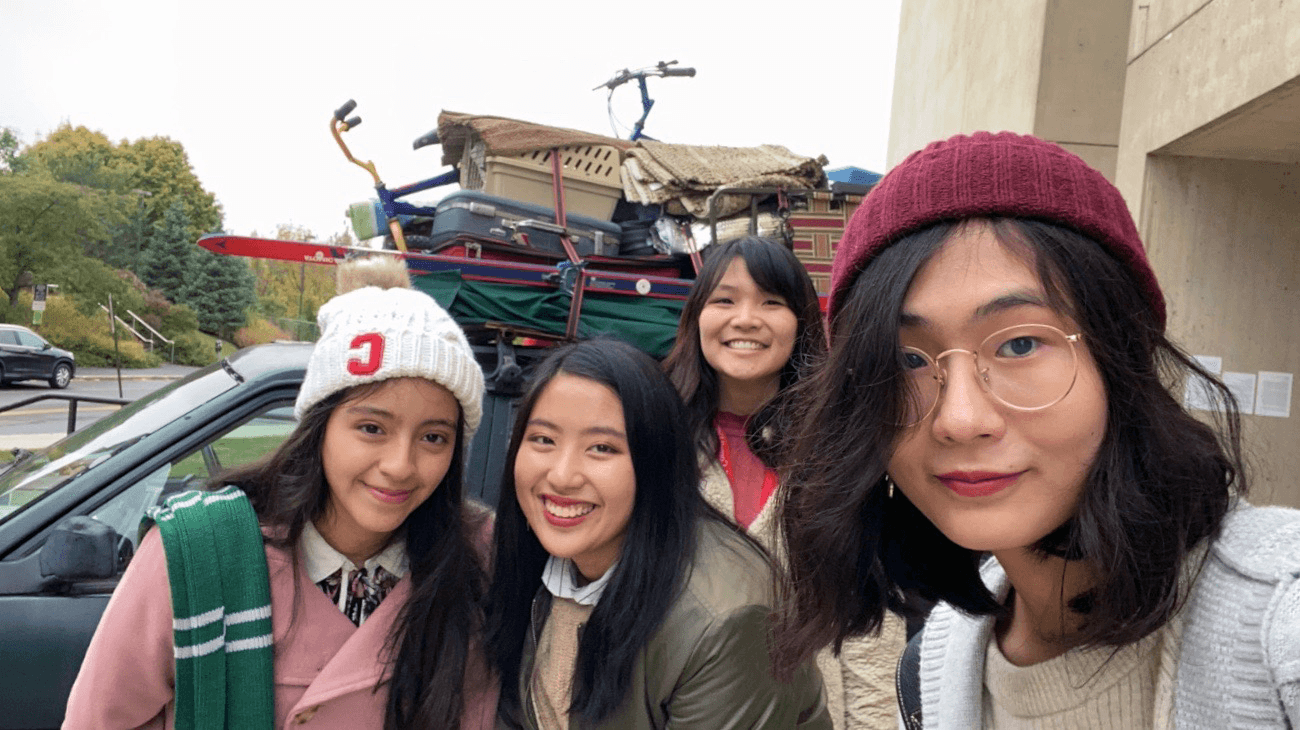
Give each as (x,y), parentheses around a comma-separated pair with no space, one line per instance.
(25,355)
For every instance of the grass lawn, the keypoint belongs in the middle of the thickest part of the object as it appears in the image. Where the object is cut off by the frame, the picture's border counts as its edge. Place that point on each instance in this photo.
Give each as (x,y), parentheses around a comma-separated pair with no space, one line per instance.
(230,451)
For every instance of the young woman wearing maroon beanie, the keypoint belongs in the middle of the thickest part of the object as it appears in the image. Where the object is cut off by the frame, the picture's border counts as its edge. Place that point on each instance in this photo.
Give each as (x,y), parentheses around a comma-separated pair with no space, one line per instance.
(999,403)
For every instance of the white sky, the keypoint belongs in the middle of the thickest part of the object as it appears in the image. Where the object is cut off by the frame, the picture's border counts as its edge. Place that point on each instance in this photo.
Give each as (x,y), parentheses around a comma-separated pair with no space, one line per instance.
(248,87)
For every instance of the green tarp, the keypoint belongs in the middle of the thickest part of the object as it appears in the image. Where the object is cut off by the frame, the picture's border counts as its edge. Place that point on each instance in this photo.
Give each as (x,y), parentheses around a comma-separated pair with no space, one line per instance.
(647,323)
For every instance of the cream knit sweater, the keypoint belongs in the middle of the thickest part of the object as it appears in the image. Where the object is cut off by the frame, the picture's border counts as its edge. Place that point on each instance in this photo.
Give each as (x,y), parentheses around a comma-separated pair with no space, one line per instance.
(1093,688)
(860,682)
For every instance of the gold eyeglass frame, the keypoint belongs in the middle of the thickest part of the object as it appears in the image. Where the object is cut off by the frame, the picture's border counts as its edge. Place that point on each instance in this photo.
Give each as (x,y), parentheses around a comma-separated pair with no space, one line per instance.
(983,377)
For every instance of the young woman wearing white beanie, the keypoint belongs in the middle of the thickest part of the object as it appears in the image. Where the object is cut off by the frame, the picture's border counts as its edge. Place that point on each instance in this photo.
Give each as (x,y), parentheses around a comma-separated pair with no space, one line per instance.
(367,608)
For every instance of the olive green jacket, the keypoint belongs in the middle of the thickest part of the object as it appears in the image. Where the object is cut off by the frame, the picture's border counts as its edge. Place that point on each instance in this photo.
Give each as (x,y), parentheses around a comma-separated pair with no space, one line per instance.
(707,666)
(860,680)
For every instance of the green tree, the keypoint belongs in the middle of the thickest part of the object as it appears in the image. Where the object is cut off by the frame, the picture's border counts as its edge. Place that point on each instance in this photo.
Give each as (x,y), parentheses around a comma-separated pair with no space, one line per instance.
(221,293)
(143,180)
(162,169)
(167,259)
(83,157)
(8,150)
(42,222)
(128,243)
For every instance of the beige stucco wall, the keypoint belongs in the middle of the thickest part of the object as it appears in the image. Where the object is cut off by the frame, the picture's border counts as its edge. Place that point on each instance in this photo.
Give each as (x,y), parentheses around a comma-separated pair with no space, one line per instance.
(1228,259)
(959,70)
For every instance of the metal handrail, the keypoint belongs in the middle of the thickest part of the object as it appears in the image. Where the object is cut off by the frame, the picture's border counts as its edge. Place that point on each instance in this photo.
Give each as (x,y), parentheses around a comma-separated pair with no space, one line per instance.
(72,400)
(136,317)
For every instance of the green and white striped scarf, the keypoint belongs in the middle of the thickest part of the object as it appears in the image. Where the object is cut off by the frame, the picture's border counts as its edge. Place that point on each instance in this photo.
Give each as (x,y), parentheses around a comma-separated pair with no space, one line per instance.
(221,609)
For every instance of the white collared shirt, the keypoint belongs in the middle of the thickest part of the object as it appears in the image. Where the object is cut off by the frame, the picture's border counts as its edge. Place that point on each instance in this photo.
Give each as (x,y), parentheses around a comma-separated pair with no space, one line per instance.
(560,578)
(321,560)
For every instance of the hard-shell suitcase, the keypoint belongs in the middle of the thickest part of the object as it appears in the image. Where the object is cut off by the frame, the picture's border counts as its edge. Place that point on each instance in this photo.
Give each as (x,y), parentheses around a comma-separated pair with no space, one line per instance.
(491,217)
(478,248)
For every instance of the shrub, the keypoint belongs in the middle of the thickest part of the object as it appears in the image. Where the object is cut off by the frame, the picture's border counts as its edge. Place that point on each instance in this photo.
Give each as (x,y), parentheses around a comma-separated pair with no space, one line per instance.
(258,331)
(89,337)
(195,348)
(176,320)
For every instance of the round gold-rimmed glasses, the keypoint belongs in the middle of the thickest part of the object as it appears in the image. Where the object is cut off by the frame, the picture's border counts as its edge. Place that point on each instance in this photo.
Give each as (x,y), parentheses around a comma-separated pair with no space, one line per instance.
(1027,367)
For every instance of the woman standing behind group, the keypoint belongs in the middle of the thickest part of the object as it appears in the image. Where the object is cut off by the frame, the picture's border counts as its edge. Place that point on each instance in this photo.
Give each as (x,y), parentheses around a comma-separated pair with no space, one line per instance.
(749,329)
(999,383)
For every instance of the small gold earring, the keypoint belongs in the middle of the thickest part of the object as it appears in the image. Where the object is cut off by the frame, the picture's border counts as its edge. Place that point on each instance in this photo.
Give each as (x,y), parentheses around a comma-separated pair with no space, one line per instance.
(889,483)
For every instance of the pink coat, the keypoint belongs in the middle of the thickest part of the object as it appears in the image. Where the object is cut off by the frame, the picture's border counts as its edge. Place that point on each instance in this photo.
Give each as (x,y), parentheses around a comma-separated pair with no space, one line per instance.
(326,668)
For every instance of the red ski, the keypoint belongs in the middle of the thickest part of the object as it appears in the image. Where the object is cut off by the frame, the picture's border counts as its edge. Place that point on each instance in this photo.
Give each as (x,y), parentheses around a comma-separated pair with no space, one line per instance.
(553,276)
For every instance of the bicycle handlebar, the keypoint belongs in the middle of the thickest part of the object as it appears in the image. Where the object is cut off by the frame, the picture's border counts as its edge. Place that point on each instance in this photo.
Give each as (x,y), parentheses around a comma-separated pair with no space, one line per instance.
(345,110)
(425,140)
(663,68)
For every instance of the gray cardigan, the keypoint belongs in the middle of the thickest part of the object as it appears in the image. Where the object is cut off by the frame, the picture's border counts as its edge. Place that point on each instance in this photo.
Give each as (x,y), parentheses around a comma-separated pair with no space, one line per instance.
(1238,663)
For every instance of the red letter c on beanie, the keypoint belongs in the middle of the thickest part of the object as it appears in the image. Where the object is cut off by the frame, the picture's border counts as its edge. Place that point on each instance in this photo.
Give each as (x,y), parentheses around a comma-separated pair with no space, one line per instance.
(375,357)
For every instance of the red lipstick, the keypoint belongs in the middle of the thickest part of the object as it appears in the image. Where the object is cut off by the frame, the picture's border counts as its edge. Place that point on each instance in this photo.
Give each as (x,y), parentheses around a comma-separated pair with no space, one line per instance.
(559,521)
(978,483)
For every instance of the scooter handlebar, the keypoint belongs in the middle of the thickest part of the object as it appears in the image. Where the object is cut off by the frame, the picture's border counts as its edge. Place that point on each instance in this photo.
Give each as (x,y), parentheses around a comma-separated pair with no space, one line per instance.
(679,72)
(345,110)
(353,122)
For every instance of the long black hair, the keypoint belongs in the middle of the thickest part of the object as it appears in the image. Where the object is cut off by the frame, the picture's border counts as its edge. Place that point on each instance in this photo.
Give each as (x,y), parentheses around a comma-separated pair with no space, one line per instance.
(659,546)
(1161,482)
(430,642)
(776,270)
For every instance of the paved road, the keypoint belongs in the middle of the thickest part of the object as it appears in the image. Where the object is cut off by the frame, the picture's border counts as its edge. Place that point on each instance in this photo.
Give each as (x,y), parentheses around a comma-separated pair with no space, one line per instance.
(46,421)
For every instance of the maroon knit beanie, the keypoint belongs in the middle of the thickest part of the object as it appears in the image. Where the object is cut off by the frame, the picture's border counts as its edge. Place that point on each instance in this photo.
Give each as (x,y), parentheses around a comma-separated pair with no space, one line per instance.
(1004,174)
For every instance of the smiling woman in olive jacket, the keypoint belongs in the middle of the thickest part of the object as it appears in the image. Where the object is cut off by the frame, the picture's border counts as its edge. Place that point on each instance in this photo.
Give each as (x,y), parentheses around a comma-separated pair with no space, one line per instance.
(619,598)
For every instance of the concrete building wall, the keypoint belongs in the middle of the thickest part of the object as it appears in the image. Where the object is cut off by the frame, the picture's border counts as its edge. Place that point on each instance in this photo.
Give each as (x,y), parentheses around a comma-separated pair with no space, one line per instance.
(1193,65)
(1192,107)
(1054,68)
(1224,239)
(1208,157)
(1081,78)
(965,72)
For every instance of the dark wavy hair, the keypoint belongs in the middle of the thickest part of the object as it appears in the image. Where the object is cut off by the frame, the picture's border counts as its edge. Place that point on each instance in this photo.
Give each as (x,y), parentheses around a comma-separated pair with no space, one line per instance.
(430,642)
(1161,483)
(657,551)
(776,270)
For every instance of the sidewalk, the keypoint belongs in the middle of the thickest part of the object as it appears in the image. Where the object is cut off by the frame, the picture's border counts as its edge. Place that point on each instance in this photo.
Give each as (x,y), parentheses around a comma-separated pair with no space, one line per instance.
(163,372)
(30,441)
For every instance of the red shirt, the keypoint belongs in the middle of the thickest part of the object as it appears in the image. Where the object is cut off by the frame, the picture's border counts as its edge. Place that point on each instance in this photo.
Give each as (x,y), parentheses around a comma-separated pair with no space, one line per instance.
(752,483)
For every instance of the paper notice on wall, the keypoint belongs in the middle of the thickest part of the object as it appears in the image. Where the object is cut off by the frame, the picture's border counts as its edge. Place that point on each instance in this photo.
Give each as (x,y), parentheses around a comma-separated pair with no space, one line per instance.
(1198,394)
(1273,395)
(1242,386)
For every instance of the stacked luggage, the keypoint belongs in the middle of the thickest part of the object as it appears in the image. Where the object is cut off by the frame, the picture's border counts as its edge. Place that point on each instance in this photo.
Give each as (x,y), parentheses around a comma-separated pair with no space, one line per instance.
(608,231)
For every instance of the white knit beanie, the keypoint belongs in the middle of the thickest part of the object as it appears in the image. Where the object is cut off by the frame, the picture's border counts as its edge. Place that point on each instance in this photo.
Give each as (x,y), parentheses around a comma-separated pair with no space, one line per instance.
(373,334)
